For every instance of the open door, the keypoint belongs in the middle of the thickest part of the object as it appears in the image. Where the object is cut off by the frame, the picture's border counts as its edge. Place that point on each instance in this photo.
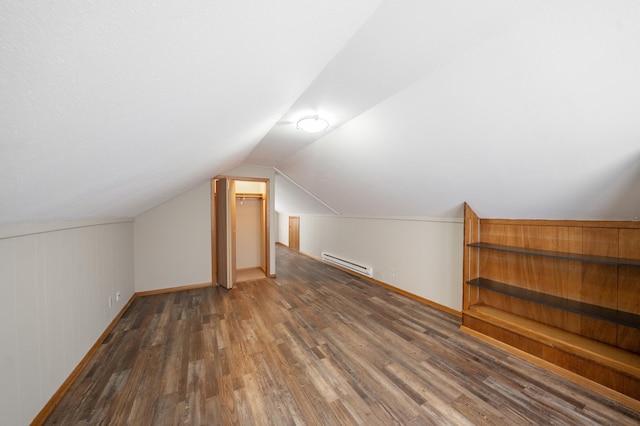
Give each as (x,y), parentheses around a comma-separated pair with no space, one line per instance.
(224,218)
(231,208)
(294,232)
(214,233)
(225,232)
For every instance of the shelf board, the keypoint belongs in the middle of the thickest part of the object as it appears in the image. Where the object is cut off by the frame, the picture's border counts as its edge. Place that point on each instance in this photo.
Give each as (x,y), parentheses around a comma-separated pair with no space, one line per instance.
(566,341)
(607,260)
(607,314)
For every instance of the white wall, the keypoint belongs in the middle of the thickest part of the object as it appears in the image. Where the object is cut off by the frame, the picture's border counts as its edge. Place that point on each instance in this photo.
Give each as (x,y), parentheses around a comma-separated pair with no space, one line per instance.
(172,242)
(421,256)
(56,285)
(248,233)
(250,187)
(283,229)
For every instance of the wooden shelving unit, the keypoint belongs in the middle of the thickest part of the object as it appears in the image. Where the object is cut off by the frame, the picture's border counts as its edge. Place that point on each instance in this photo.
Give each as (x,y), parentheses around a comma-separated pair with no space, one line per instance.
(566,292)
(606,260)
(613,315)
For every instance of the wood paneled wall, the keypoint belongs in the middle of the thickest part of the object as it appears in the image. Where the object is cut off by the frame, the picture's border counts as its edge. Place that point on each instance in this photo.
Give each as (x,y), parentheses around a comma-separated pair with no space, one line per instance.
(524,324)
(55,305)
(612,286)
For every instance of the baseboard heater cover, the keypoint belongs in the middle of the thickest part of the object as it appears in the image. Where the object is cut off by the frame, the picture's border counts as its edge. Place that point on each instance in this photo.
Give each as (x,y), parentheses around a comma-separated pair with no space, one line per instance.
(364,270)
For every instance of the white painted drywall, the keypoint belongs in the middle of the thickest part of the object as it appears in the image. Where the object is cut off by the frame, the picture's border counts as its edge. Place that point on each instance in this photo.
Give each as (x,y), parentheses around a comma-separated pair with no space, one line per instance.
(172,242)
(532,117)
(283,229)
(250,187)
(248,233)
(55,305)
(421,256)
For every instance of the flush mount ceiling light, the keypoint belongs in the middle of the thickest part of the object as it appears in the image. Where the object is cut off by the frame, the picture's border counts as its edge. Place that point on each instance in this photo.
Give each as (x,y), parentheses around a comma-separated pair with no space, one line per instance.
(312,124)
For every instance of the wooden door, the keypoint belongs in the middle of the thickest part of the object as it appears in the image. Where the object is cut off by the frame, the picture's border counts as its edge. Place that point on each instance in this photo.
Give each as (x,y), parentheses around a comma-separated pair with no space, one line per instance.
(214,233)
(264,262)
(225,232)
(294,232)
(232,231)
(222,234)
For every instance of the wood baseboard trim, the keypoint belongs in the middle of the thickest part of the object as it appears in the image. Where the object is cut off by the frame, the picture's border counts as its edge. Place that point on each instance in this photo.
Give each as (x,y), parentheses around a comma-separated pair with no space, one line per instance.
(42,416)
(282,244)
(418,298)
(172,289)
(575,378)
(390,287)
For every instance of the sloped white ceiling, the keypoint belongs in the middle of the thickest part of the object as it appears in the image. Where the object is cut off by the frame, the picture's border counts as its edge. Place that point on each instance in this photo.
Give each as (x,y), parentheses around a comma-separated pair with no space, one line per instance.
(522,108)
(539,119)
(110,108)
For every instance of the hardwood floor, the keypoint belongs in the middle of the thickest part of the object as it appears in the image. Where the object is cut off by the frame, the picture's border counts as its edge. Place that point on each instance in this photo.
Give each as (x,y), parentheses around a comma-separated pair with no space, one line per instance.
(249,275)
(315,346)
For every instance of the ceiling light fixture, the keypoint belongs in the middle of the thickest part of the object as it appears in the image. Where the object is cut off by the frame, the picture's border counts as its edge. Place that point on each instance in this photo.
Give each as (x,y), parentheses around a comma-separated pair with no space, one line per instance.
(312,124)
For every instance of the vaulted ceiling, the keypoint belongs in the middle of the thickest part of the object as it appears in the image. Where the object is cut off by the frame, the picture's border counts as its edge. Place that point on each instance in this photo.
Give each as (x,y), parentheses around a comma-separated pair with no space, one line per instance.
(522,108)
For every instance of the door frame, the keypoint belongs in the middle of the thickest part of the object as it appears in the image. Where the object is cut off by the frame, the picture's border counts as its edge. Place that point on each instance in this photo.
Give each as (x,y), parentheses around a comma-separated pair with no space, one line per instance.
(215,221)
(223,233)
(294,223)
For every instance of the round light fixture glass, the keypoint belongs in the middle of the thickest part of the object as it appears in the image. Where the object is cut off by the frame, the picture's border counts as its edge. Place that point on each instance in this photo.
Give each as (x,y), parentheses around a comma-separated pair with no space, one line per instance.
(312,124)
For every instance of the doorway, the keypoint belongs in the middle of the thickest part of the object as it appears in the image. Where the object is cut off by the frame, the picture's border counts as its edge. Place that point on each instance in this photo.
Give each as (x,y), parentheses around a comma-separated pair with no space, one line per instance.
(294,233)
(240,222)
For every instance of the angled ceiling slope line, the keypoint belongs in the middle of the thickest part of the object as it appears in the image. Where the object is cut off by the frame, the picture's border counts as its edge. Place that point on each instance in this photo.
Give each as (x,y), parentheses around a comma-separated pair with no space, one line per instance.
(293,198)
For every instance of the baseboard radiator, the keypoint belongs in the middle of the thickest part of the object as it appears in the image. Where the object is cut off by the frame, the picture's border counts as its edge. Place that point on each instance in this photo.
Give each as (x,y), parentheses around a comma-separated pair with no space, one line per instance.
(364,270)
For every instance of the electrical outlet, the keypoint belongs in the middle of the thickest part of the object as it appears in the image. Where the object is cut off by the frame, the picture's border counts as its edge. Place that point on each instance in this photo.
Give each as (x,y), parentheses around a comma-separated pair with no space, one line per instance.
(118,296)
(392,272)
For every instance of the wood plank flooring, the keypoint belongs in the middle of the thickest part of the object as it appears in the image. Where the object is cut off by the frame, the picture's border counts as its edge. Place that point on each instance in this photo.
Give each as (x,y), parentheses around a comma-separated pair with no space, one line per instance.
(250,274)
(315,346)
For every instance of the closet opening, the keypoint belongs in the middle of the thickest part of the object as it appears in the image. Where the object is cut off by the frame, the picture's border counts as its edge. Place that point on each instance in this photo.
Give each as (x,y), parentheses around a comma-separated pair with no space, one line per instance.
(240,222)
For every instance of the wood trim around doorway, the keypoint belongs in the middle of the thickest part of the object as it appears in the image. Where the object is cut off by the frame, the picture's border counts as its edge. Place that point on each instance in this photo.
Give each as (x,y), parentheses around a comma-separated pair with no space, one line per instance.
(294,232)
(267,227)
